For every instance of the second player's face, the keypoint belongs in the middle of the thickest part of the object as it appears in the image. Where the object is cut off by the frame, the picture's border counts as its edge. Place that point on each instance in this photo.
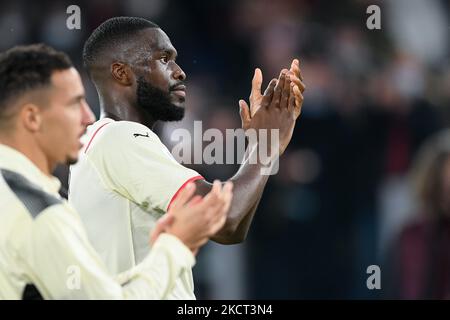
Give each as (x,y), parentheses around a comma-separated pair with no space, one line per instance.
(161,70)
(65,119)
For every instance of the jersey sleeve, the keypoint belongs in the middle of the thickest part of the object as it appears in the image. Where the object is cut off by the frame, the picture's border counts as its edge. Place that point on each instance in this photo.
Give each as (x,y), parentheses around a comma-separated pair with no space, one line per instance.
(132,161)
(65,266)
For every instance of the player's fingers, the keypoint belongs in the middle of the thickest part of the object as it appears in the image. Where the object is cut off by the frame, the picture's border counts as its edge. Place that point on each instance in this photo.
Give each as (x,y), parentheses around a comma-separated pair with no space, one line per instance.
(218,213)
(216,191)
(217,200)
(217,225)
(194,201)
(256,84)
(291,104)
(228,187)
(244,112)
(212,197)
(216,218)
(298,101)
(278,89)
(228,196)
(268,93)
(270,87)
(217,187)
(298,83)
(225,198)
(295,67)
(183,197)
(214,210)
(285,92)
(186,193)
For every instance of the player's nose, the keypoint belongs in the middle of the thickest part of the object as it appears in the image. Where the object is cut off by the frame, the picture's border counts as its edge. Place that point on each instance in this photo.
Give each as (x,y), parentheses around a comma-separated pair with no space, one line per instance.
(178,73)
(88,117)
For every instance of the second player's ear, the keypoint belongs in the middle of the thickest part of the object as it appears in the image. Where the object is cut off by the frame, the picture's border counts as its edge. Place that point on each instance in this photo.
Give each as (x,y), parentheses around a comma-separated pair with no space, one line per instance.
(31,117)
(122,73)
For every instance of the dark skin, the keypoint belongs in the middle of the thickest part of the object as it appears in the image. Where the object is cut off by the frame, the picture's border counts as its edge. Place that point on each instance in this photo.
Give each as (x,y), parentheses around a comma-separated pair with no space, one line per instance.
(153,57)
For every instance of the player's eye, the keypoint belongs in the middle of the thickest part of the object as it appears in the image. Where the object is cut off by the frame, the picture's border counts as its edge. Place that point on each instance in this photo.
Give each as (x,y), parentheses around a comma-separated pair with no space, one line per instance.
(165,59)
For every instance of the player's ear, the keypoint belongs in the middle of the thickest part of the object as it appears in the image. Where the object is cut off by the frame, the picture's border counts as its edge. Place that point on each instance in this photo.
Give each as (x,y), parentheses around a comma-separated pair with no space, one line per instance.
(31,117)
(122,73)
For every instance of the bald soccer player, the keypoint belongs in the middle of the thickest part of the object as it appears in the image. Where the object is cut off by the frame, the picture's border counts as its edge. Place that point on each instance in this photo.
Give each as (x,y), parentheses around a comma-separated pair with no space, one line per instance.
(126,178)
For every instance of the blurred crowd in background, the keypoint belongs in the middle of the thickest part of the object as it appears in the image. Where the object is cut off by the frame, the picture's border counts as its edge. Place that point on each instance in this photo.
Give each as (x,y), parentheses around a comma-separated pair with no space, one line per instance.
(366,178)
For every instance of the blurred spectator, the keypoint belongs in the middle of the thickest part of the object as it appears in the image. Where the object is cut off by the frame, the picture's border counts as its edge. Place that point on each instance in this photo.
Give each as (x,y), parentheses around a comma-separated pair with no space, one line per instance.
(421,255)
(420,27)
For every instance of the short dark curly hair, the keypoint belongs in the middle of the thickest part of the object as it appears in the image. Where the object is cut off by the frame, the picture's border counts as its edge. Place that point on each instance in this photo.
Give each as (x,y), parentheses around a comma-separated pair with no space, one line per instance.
(110,34)
(25,68)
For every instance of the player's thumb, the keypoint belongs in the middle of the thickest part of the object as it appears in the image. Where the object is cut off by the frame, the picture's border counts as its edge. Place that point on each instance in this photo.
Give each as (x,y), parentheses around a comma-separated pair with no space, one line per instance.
(161,226)
(244,112)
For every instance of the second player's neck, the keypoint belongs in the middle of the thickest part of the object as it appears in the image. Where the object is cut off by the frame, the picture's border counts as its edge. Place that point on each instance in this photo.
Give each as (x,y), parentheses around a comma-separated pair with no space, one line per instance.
(126,114)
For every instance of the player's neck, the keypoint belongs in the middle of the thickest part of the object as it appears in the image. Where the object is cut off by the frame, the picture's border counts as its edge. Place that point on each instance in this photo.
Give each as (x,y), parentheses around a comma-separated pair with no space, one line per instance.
(127,115)
(31,150)
(121,107)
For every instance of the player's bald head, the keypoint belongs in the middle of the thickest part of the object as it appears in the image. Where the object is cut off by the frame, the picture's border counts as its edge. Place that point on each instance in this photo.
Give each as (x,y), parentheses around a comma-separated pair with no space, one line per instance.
(116,39)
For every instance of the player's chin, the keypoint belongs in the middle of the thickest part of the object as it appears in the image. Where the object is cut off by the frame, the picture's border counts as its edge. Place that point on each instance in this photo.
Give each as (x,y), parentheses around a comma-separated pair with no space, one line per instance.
(178,100)
(71,159)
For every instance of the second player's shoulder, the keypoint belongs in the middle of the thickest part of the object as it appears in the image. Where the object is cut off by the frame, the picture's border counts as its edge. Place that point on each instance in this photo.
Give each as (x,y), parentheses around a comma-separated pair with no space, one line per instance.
(118,134)
(129,130)
(133,130)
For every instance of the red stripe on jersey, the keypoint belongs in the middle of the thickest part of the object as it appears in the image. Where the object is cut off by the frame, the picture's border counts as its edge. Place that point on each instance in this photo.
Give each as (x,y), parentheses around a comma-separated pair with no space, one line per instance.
(93,136)
(182,187)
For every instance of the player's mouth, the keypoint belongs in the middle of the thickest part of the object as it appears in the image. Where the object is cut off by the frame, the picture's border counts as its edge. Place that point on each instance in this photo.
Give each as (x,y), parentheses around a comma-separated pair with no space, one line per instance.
(80,138)
(179,91)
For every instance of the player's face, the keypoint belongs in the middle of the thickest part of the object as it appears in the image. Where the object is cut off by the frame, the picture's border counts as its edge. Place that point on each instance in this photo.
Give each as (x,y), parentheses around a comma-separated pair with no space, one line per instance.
(65,118)
(160,81)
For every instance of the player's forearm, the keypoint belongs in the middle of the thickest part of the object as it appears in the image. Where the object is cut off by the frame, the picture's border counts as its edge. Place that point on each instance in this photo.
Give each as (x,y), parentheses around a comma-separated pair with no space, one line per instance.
(243,228)
(249,183)
(154,278)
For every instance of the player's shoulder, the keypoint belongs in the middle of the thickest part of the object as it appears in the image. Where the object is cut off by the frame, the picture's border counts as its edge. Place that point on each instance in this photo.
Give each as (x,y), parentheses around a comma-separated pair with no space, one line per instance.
(19,192)
(118,128)
(117,133)
(125,126)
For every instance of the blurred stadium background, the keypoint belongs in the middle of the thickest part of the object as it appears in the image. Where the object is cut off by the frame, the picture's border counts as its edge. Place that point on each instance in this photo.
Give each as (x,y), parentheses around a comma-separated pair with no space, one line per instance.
(346,195)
